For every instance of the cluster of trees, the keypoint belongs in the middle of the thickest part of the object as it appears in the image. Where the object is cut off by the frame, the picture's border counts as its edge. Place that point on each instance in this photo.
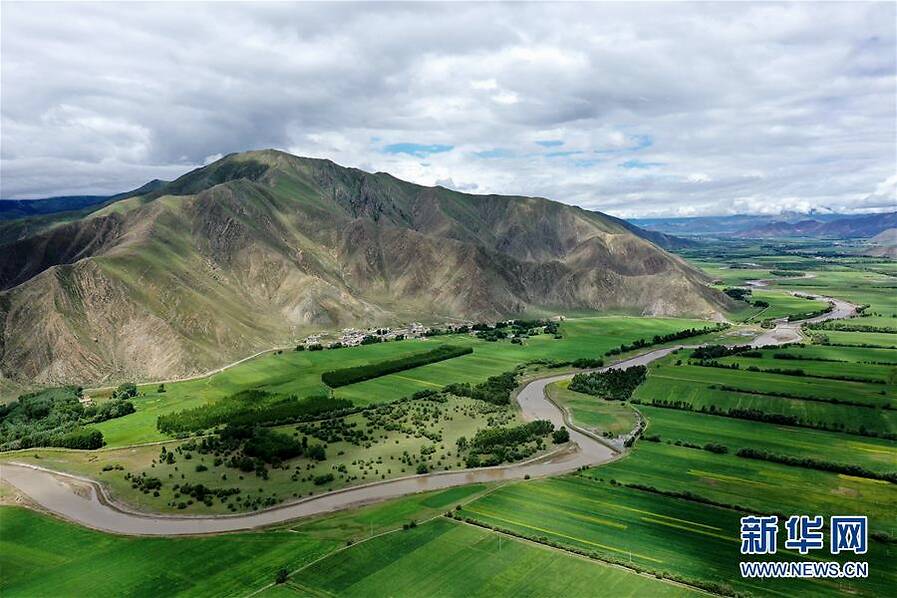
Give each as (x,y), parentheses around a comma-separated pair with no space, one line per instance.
(659,339)
(145,483)
(496,389)
(252,407)
(204,494)
(795,357)
(617,385)
(493,446)
(515,328)
(580,363)
(787,273)
(248,448)
(267,445)
(345,376)
(744,294)
(79,438)
(56,417)
(128,390)
(811,314)
(854,470)
(487,440)
(336,429)
(738,293)
(587,362)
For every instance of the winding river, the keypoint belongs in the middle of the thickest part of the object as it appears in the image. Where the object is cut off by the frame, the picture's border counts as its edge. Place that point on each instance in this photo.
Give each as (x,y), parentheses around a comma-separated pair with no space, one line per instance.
(86,502)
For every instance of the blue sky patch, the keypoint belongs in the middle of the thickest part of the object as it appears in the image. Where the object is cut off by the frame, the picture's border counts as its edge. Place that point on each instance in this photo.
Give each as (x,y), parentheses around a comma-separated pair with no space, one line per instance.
(638,142)
(498,152)
(562,154)
(416,149)
(550,143)
(639,164)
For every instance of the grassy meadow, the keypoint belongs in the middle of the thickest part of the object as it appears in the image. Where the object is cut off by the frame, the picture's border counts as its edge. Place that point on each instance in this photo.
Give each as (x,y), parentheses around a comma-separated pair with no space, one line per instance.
(601,417)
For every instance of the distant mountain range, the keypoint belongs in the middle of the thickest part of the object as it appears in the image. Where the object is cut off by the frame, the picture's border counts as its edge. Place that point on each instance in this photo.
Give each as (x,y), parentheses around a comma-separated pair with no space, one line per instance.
(828,225)
(262,247)
(861,226)
(22,208)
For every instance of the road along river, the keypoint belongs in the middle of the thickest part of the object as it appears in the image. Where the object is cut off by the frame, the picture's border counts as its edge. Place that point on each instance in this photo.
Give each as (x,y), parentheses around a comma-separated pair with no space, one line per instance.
(86,502)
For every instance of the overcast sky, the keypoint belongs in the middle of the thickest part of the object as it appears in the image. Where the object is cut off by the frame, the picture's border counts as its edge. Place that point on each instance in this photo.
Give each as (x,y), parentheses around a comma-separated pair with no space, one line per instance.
(633,109)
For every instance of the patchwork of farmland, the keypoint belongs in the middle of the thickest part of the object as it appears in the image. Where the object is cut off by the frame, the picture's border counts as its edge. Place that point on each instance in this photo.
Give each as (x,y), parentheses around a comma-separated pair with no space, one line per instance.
(804,429)
(652,532)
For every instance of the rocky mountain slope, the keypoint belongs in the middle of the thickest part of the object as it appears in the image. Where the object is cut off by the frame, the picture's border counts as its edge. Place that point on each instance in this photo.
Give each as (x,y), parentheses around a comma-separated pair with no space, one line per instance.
(262,247)
(884,244)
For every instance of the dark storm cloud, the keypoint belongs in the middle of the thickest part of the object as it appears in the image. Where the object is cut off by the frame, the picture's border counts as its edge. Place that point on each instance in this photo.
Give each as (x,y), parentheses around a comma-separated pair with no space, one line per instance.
(635,109)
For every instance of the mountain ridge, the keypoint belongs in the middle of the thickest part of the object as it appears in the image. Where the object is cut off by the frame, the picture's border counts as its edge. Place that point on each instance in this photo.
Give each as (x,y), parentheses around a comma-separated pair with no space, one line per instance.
(260,247)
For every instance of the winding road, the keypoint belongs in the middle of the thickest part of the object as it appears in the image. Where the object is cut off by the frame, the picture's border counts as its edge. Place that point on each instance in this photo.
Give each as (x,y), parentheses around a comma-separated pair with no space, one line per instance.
(86,502)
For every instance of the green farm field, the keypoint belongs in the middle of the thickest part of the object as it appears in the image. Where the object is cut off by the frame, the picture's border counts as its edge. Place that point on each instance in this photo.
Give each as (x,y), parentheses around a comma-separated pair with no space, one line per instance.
(449,558)
(873,339)
(782,304)
(653,532)
(599,416)
(698,428)
(758,485)
(841,354)
(876,374)
(692,385)
(42,556)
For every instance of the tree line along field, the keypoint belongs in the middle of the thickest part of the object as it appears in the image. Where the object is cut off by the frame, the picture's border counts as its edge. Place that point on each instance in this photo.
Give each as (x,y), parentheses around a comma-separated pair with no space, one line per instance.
(299,372)
(820,403)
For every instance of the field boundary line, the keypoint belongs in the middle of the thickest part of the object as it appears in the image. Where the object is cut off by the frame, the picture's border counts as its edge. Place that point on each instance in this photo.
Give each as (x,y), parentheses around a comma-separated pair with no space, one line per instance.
(339,549)
(594,561)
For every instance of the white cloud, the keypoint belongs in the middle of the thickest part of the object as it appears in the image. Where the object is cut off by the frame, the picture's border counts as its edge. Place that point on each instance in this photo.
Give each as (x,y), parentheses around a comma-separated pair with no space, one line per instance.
(716,108)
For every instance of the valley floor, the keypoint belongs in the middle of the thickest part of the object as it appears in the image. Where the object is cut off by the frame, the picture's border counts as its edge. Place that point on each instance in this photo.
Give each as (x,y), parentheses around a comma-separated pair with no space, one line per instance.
(802,429)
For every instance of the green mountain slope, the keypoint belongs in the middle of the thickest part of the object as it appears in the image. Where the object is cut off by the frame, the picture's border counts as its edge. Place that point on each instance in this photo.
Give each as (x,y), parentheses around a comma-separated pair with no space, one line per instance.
(262,247)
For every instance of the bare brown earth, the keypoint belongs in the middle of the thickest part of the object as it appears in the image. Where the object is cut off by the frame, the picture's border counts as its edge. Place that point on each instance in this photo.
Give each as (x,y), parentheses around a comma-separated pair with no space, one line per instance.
(261,248)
